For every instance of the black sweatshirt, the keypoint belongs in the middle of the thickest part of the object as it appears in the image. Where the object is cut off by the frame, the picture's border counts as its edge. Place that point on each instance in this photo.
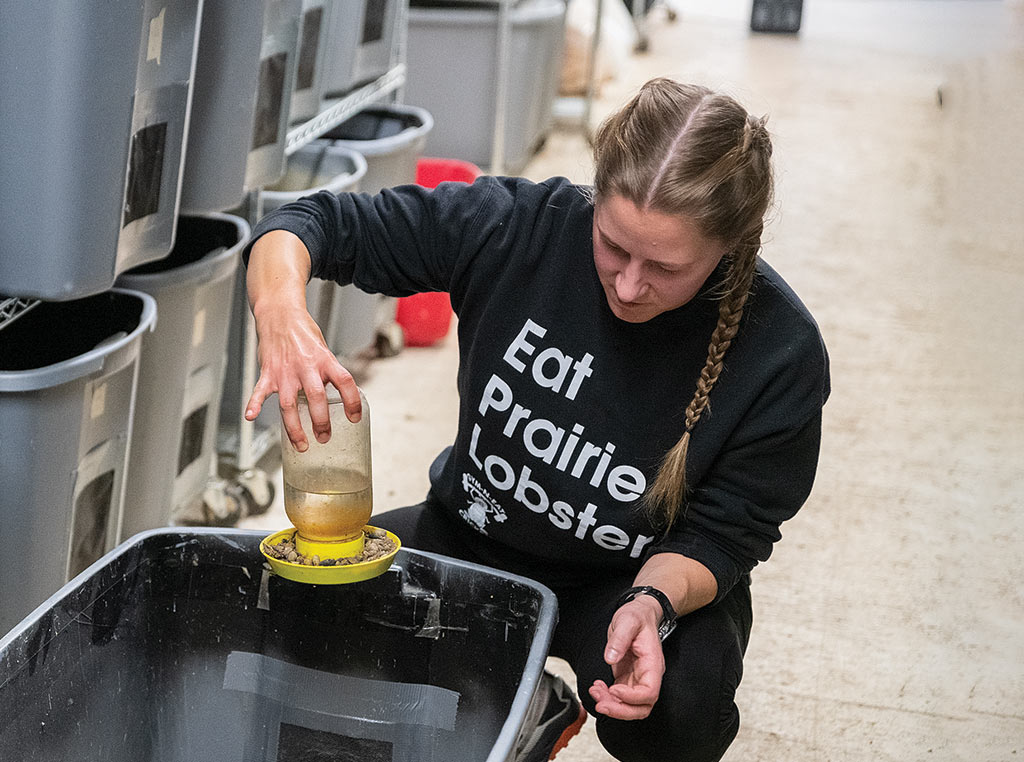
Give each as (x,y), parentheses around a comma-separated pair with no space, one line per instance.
(566,411)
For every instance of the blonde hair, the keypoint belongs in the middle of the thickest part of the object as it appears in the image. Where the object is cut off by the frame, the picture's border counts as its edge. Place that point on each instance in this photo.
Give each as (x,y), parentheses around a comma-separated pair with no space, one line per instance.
(686,150)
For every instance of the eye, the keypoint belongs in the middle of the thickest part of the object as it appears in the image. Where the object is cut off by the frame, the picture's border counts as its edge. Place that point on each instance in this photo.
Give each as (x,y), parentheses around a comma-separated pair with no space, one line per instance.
(617,251)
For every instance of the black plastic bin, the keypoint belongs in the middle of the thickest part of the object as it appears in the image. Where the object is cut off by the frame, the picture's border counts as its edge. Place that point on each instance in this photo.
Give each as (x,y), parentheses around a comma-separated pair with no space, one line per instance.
(776,16)
(180,646)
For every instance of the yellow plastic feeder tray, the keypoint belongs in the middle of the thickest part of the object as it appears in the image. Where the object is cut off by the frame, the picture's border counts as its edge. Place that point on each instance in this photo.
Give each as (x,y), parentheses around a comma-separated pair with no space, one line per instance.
(328,575)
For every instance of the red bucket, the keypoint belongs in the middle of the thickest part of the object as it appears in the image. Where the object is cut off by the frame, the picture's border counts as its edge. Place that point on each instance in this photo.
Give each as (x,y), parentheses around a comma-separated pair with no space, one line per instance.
(425,318)
(432,172)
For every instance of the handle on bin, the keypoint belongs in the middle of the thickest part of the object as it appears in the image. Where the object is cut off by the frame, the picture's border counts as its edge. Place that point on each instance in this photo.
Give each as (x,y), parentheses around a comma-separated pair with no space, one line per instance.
(21,381)
(92,361)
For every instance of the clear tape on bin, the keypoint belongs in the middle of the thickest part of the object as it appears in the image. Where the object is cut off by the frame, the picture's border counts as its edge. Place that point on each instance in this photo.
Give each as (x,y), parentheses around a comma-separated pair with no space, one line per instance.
(405,716)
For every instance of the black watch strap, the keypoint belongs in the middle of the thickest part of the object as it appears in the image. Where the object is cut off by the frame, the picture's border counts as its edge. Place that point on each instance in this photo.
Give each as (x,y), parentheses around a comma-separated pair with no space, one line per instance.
(668,613)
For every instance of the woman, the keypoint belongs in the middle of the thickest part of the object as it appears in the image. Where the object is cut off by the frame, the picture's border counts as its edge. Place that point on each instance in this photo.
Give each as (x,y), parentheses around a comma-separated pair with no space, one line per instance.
(640,394)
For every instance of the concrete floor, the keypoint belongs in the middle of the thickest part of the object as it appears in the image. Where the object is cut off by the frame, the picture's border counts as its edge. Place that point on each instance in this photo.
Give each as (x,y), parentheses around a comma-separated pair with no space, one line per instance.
(889,624)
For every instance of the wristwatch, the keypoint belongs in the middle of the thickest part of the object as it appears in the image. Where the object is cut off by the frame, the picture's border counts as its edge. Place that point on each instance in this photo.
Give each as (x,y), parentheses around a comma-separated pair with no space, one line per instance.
(668,614)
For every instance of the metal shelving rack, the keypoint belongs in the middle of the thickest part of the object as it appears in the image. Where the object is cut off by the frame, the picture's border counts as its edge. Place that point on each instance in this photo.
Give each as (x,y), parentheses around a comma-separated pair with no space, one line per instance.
(338,110)
(13,307)
(502,74)
(575,110)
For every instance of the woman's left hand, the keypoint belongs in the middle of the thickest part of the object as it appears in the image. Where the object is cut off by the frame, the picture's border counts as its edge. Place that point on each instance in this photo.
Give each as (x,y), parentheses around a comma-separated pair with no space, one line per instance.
(635,656)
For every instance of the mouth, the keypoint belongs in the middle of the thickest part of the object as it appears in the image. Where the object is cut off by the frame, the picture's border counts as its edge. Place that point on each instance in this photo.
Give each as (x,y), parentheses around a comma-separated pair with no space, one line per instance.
(631,312)
(613,297)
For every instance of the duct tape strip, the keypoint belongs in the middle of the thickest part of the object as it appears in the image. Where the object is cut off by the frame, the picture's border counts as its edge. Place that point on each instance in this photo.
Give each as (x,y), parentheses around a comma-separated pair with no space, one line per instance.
(311,690)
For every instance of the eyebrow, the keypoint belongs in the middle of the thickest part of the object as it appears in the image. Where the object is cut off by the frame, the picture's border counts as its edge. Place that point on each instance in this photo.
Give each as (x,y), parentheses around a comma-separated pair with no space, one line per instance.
(661,263)
(607,238)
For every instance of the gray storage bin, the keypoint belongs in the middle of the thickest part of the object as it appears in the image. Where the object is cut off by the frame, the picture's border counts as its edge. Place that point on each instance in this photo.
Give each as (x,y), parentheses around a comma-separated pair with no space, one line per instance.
(310,169)
(342,47)
(181,369)
(167,58)
(277,66)
(313,168)
(452,72)
(309,69)
(66,90)
(68,373)
(223,106)
(378,39)
(181,646)
(391,137)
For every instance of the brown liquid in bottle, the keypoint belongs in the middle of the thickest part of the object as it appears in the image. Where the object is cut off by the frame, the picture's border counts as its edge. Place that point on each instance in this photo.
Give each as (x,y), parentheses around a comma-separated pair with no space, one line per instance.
(330,505)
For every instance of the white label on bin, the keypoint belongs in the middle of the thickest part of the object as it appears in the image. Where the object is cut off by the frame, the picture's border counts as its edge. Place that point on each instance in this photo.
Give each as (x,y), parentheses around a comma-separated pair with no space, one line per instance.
(99,401)
(156,37)
(199,328)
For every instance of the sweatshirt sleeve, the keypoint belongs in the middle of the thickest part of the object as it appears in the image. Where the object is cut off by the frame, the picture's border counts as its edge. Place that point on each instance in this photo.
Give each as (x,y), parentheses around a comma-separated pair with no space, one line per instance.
(765,468)
(733,518)
(403,240)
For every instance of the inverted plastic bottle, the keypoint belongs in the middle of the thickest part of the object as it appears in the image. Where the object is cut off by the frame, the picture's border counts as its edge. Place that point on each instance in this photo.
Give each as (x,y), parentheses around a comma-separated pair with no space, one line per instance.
(328,489)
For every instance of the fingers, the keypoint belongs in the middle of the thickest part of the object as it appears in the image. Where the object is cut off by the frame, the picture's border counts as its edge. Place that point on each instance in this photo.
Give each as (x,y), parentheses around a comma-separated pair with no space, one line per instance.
(256,400)
(348,390)
(290,418)
(319,413)
(610,705)
(287,401)
(645,692)
(639,686)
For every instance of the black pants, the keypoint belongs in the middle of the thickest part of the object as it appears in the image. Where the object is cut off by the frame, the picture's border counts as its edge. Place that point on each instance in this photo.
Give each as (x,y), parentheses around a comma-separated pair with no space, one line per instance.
(695,718)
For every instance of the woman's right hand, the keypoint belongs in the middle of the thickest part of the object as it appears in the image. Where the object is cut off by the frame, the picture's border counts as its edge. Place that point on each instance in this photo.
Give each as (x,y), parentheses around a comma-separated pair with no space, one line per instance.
(292,352)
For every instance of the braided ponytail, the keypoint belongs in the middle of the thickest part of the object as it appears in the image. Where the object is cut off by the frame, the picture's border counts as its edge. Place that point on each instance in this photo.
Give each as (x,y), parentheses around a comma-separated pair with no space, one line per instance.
(686,150)
(666,497)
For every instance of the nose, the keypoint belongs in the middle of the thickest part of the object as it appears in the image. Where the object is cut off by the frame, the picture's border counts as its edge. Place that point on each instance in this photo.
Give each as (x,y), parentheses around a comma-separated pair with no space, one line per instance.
(629,283)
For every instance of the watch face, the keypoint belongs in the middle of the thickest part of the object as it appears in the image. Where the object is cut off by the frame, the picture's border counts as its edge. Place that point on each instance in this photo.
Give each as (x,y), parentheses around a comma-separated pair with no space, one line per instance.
(665,629)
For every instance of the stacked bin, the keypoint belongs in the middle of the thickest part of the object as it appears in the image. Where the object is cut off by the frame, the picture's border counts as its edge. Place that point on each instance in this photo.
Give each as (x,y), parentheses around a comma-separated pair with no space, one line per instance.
(378,29)
(251,666)
(308,170)
(223,106)
(342,46)
(274,89)
(391,138)
(96,109)
(363,36)
(68,377)
(181,368)
(309,69)
(163,94)
(106,101)
(453,73)
(67,91)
